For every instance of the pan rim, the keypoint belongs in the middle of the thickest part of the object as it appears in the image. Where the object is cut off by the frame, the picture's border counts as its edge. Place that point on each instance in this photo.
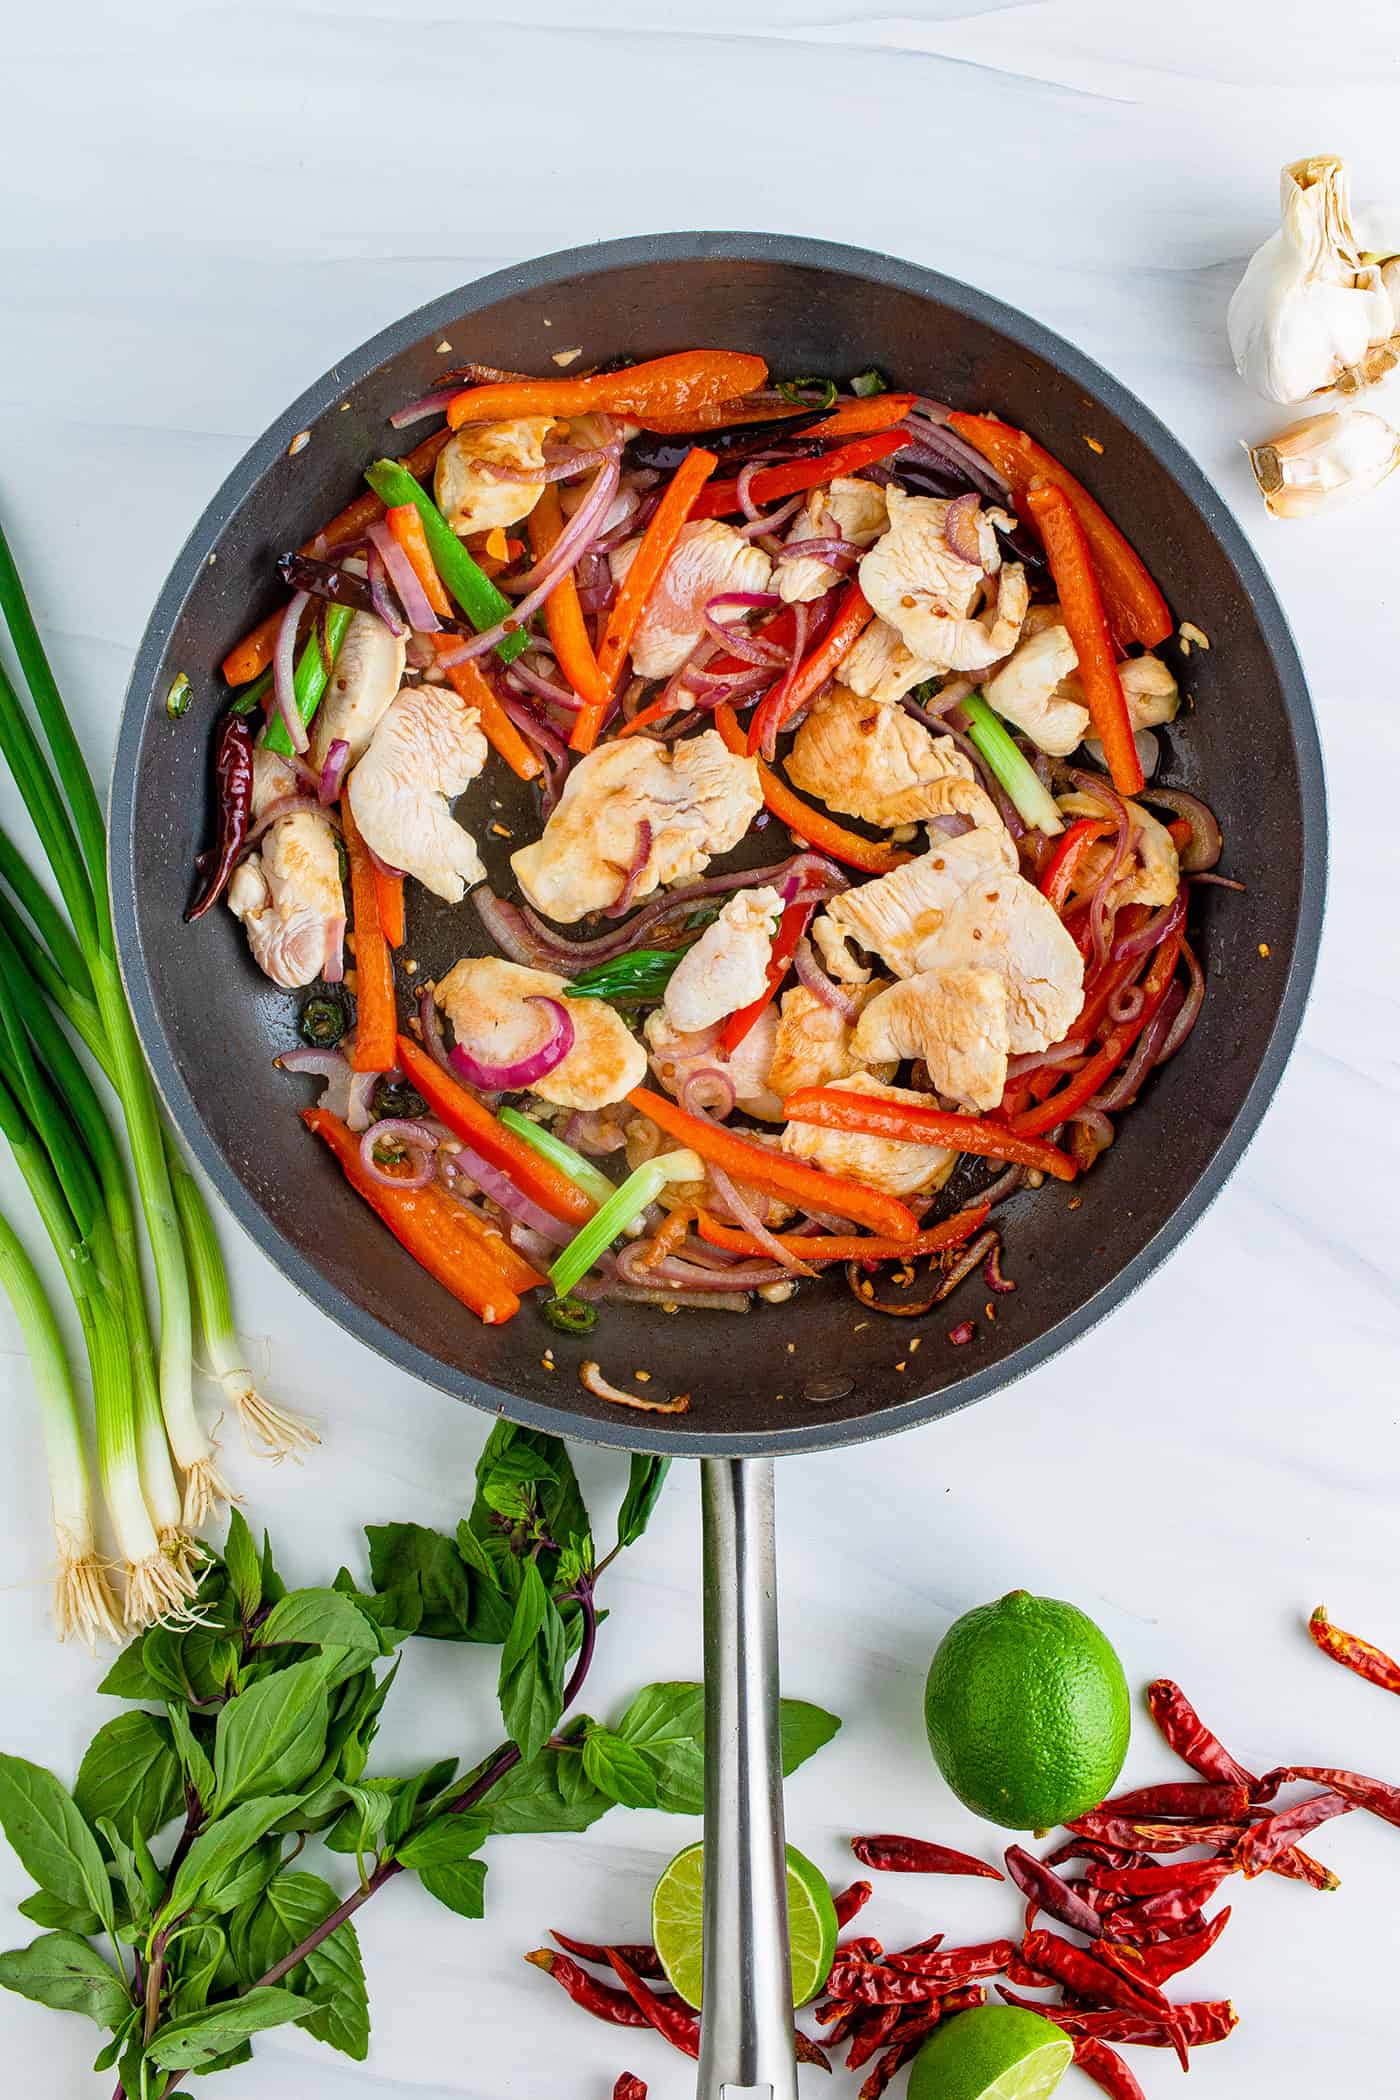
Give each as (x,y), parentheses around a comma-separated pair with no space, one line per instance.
(631,1432)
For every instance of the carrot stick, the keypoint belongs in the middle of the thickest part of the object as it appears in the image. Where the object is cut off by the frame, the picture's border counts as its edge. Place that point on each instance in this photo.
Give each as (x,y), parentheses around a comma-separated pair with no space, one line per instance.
(815,1247)
(376,1021)
(860,418)
(253,654)
(800,817)
(405,521)
(533,1174)
(628,606)
(687,380)
(563,615)
(911,1123)
(389,904)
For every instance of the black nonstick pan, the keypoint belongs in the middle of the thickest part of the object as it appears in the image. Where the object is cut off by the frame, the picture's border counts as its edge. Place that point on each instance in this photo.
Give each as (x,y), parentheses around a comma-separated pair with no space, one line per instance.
(816,1371)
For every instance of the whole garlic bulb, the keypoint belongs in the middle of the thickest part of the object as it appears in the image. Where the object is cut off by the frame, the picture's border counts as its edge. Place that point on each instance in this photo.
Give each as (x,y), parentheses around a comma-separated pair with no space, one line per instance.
(1323,461)
(1308,314)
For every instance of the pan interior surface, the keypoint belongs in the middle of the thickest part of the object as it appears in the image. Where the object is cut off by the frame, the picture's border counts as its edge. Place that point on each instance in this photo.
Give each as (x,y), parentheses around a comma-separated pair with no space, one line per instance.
(819,1369)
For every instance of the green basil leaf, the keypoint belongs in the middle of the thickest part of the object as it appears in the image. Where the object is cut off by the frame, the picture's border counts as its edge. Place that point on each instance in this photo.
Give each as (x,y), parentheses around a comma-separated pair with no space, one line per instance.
(244,1877)
(274,1589)
(54,1845)
(805,1730)
(193,1761)
(421,1787)
(273,1736)
(293,1905)
(532,1666)
(563,1514)
(531,1798)
(618,1768)
(243,1565)
(360,1826)
(196,1957)
(523,1464)
(112,2049)
(191,2043)
(53,1915)
(422,1572)
(129,1678)
(64,1972)
(666,1722)
(448,1841)
(138,1903)
(221,1846)
(461,1888)
(320,1619)
(492,1605)
(131,1773)
(644,1484)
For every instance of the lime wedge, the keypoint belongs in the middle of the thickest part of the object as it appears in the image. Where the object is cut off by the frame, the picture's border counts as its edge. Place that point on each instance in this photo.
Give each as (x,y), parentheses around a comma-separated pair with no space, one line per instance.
(676,1923)
(993,2052)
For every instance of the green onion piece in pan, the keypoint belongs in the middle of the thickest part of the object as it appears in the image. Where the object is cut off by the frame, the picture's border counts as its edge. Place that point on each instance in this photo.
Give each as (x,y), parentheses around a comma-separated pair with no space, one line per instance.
(251,696)
(581,1171)
(638,979)
(623,1205)
(474,591)
(1034,802)
(809,393)
(310,677)
(872,381)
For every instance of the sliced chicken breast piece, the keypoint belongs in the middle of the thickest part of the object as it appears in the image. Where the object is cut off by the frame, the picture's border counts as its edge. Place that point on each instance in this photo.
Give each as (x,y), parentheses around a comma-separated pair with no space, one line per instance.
(881,1163)
(965,904)
(846,510)
(955,1020)
(696,799)
(709,559)
(727,968)
(878,763)
(1151,869)
(931,597)
(813,1043)
(487,1002)
(425,751)
(472,501)
(367,673)
(677,1056)
(879,667)
(288,896)
(1028,691)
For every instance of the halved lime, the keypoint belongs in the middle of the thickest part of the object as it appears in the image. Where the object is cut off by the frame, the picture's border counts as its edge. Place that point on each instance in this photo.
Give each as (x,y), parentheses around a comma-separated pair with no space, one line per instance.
(993,2052)
(677,1908)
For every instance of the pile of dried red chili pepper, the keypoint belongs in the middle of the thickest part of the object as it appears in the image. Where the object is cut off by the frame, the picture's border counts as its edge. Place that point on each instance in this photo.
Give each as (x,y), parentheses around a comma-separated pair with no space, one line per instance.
(1138,1919)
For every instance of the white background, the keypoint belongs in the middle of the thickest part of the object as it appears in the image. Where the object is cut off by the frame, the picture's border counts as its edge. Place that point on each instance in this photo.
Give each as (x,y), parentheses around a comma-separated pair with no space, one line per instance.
(202,206)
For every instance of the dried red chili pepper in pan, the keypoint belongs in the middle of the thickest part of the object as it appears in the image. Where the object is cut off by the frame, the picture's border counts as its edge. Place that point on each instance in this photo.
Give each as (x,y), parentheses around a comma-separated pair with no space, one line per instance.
(613,2006)
(643,1956)
(678,2023)
(1353,1653)
(1051,1892)
(906,1855)
(233,795)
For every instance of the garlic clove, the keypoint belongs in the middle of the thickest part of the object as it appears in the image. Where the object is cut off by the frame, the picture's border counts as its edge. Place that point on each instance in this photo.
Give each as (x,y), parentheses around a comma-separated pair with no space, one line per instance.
(1310,314)
(1323,461)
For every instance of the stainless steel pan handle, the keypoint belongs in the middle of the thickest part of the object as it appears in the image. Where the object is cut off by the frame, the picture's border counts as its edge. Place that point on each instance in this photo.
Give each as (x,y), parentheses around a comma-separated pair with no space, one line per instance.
(746,2034)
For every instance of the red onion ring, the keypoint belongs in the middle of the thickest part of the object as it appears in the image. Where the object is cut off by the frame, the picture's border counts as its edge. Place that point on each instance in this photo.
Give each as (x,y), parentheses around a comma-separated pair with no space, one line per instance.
(773,708)
(636,868)
(770,521)
(426,405)
(1125,1085)
(1189,1013)
(558,466)
(521,1071)
(1125,1004)
(322,1064)
(358,1112)
(539,581)
(751,1223)
(1158,927)
(502,1190)
(430,1021)
(1045,1060)
(719,1105)
(1203,848)
(380,597)
(960,530)
(689,1276)
(284,671)
(742,487)
(810,973)
(831,551)
(991,1270)
(402,574)
(415,1137)
(928,422)
(333,771)
(287,806)
(523,673)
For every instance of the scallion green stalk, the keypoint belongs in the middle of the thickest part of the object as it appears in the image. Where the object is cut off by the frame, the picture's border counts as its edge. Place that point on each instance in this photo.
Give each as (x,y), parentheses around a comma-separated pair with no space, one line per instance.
(83,1602)
(580,1171)
(625,1203)
(480,599)
(309,678)
(1033,801)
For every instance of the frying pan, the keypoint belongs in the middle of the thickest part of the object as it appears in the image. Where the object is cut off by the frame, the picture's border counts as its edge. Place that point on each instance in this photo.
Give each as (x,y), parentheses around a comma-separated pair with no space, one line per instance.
(817,1371)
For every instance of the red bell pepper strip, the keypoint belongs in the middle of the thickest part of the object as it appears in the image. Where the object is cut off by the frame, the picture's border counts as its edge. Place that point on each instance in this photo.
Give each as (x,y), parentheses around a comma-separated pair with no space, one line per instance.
(791,928)
(777,1173)
(801,818)
(820,1247)
(563,615)
(771,484)
(440,1233)
(853,616)
(641,580)
(910,1123)
(254,653)
(533,1174)
(1136,607)
(1114,1048)
(860,418)
(375,1018)
(1058,878)
(691,379)
(1071,565)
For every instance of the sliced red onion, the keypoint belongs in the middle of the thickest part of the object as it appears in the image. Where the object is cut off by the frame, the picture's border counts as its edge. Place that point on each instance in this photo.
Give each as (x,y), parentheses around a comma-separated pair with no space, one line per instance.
(1158,928)
(502,1190)
(333,967)
(288,806)
(358,1112)
(929,421)
(1101,790)
(811,974)
(558,465)
(381,597)
(1203,848)
(284,671)
(322,1064)
(1125,1004)
(523,673)
(689,1276)
(434,404)
(773,709)
(1189,1012)
(430,1021)
(333,771)
(831,551)
(955,726)
(589,1131)
(522,1071)
(532,724)
(1045,1060)
(577,535)
(771,521)
(751,1223)
(641,854)
(742,487)
(419,1142)
(960,530)
(708,1091)
(402,574)
(1125,1085)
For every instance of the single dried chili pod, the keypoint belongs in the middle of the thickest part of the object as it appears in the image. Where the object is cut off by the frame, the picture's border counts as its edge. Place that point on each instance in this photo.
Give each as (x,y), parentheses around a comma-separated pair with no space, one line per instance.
(233,794)
(1353,1653)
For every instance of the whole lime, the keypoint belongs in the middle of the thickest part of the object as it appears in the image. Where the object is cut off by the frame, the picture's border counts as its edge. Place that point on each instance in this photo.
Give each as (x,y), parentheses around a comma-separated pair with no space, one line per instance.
(1028,1712)
(993,2052)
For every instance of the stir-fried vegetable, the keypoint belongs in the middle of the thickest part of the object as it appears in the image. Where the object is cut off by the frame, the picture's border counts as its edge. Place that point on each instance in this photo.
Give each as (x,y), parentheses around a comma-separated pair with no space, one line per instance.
(623,1207)
(310,678)
(771,484)
(535,1176)
(1067,550)
(805,822)
(1032,799)
(483,604)
(639,978)
(376,1025)
(910,1123)
(581,1171)
(674,386)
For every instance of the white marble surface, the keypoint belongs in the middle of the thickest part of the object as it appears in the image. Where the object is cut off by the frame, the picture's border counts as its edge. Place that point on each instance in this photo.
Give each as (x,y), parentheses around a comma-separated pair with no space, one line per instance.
(202,205)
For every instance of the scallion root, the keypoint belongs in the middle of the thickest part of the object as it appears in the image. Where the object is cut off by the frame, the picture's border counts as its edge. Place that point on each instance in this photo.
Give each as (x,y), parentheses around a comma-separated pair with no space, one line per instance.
(186,1554)
(155,1590)
(83,1603)
(269,1430)
(206,1492)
